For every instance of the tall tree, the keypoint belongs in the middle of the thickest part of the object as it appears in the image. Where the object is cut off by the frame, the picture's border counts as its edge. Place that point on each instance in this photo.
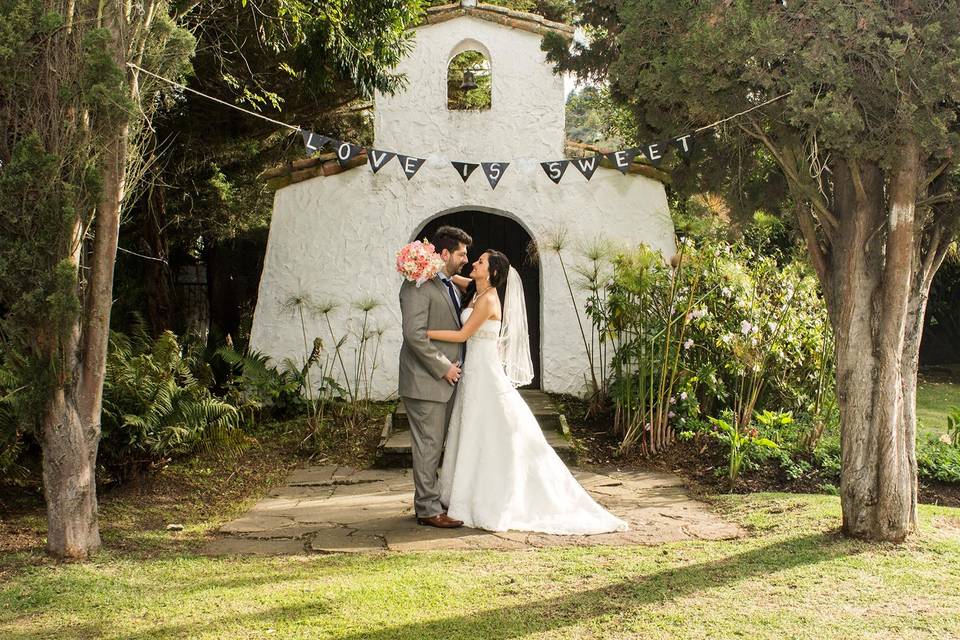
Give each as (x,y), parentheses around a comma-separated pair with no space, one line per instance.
(865,141)
(71,111)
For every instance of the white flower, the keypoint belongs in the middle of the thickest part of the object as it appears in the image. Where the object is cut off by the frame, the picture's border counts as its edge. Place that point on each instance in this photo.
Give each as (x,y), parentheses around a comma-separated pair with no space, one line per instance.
(773,326)
(683,395)
(671,414)
(745,327)
(725,292)
(726,338)
(688,343)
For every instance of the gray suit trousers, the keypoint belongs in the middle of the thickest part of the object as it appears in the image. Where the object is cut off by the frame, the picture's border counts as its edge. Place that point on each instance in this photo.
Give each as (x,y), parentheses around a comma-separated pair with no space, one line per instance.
(428,430)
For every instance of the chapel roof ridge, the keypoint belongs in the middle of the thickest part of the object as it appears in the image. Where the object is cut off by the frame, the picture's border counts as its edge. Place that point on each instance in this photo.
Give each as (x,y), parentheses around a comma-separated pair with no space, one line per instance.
(522,20)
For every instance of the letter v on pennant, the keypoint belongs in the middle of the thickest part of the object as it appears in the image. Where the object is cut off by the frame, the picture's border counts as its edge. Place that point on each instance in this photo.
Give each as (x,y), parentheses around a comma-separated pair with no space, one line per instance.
(378,158)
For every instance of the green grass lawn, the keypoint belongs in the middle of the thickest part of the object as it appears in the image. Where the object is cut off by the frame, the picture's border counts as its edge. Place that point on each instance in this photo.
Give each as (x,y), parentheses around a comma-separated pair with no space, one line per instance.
(935,398)
(795,577)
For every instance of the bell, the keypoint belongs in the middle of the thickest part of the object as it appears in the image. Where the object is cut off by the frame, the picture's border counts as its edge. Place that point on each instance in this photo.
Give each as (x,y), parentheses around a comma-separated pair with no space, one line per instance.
(468,81)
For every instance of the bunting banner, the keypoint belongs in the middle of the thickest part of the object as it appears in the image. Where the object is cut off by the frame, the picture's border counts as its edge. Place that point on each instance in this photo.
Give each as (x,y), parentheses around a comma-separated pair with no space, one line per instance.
(683,144)
(654,152)
(494,171)
(621,160)
(464,169)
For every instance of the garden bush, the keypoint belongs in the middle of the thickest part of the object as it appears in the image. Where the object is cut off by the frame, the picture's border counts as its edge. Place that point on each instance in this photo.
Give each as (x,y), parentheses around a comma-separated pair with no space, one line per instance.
(718,328)
(155,407)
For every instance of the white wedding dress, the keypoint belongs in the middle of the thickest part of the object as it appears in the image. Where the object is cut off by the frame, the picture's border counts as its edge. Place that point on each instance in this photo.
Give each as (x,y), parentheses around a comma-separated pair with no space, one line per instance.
(499,473)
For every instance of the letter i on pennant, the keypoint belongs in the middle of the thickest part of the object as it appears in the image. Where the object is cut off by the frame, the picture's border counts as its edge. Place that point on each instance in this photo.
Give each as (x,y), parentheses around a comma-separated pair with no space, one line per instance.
(464,169)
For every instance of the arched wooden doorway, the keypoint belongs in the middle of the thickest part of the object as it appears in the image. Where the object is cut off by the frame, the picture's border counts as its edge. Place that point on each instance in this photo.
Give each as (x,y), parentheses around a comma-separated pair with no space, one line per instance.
(494,231)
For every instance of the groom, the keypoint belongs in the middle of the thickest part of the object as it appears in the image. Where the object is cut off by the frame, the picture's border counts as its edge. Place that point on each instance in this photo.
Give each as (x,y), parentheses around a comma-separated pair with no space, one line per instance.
(429,371)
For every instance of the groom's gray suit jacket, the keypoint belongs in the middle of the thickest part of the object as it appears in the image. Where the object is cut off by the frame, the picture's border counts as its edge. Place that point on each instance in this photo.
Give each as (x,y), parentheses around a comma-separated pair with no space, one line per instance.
(423,363)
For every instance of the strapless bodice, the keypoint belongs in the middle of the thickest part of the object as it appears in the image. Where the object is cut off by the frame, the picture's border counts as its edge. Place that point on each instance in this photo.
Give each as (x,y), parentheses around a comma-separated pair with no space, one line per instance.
(489,330)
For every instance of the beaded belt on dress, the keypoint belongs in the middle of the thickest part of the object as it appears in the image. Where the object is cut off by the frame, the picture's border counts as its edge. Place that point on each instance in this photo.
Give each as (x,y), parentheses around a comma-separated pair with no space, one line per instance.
(486,334)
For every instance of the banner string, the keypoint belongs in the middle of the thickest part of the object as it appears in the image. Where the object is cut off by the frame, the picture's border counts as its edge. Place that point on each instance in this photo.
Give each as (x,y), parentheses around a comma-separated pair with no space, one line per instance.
(299,129)
(223,102)
(744,112)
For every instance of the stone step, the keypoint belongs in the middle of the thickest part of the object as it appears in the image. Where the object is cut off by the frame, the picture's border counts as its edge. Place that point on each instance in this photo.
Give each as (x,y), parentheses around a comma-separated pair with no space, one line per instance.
(540,403)
(394,449)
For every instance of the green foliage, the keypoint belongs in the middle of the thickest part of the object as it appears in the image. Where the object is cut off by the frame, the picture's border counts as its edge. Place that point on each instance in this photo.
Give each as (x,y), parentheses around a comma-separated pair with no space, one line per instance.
(743,448)
(939,461)
(953,427)
(842,61)
(263,391)
(104,84)
(155,408)
(12,437)
(724,329)
(65,95)
(593,118)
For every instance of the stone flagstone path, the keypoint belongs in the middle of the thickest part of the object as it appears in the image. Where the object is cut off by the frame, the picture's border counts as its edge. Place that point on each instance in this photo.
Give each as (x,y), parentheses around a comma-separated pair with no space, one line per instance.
(329,509)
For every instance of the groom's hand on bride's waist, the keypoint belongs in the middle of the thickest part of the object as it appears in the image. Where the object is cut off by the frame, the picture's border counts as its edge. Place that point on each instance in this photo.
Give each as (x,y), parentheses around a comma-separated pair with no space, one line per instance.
(453,373)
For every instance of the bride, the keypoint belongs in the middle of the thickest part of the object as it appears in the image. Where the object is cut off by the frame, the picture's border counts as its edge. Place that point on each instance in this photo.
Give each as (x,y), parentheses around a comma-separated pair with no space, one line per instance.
(499,472)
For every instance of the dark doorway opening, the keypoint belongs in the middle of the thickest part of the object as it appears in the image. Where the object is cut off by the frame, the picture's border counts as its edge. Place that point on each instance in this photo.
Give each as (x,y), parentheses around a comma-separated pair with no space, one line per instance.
(493,231)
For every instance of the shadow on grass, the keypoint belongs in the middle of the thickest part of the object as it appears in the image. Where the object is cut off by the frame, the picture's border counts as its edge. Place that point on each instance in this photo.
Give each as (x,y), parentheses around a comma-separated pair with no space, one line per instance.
(513,621)
(626,596)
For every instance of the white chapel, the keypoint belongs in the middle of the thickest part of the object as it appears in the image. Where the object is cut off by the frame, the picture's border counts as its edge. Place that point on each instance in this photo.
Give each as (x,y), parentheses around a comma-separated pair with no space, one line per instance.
(335,229)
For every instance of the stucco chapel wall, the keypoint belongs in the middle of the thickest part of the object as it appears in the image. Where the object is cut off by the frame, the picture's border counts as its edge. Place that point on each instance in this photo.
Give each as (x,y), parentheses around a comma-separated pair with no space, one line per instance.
(333,239)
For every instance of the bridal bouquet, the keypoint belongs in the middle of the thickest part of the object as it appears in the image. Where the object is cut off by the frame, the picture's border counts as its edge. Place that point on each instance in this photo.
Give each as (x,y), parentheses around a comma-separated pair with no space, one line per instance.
(418,262)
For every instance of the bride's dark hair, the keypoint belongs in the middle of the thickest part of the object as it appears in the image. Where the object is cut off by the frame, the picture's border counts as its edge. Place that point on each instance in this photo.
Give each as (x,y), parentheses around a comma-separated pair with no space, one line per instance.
(498,266)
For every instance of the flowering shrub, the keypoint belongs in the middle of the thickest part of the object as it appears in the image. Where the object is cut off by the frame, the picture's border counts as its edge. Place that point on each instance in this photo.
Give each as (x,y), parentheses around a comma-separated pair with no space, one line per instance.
(418,261)
(721,328)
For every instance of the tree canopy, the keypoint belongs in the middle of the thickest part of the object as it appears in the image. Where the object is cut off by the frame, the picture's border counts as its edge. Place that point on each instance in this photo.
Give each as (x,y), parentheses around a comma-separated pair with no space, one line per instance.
(858,147)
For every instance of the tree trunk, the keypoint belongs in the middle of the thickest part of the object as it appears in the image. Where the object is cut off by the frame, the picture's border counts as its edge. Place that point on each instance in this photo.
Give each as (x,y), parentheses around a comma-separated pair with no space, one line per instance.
(876,304)
(71,424)
(69,481)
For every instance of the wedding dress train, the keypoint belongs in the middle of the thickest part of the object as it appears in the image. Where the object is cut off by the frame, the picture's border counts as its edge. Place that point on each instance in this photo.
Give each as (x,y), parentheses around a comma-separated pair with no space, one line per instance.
(499,473)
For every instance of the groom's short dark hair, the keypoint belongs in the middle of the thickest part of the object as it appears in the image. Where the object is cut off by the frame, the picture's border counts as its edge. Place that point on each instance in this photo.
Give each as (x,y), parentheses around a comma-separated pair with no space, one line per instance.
(450,238)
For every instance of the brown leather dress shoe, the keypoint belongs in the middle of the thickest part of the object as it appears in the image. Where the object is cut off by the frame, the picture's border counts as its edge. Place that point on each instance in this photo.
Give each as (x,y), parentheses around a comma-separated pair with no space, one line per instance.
(441,520)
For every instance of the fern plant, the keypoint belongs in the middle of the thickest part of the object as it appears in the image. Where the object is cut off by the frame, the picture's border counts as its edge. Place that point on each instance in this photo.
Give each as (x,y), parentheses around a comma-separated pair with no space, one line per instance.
(259,389)
(12,437)
(154,407)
